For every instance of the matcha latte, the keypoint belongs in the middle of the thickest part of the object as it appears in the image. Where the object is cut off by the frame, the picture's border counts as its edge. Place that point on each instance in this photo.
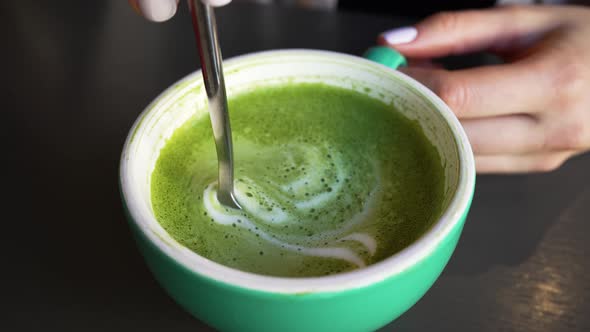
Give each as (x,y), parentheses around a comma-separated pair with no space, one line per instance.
(329,179)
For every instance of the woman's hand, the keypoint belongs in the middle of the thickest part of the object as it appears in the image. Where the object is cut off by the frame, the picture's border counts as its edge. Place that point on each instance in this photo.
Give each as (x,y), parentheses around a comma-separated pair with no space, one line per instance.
(163,10)
(531,113)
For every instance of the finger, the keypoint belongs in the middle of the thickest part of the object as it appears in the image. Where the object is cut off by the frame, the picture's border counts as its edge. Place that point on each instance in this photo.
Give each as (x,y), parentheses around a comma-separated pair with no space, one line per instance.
(424,63)
(489,90)
(155,10)
(542,162)
(469,31)
(510,134)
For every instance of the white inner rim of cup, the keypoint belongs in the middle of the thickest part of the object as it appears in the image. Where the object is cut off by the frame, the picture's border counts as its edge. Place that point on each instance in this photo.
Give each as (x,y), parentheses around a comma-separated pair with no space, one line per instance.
(135,181)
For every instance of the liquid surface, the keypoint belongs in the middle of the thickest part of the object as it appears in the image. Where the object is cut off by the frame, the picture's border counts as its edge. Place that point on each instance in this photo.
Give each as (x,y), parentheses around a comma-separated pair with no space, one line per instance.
(330,180)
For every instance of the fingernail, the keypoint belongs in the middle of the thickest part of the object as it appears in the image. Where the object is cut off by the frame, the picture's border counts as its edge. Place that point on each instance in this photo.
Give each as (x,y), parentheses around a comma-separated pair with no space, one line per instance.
(216,3)
(400,35)
(157,10)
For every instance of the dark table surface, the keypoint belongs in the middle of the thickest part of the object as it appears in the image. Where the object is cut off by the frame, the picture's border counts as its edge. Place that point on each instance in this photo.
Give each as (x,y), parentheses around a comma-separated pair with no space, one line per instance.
(75,76)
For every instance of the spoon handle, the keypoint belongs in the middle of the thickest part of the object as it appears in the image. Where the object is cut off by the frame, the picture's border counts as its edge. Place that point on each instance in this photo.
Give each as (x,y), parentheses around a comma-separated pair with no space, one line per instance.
(210,56)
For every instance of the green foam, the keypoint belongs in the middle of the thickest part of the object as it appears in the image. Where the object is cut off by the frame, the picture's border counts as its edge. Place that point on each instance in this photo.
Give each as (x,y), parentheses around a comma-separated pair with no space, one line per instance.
(295,144)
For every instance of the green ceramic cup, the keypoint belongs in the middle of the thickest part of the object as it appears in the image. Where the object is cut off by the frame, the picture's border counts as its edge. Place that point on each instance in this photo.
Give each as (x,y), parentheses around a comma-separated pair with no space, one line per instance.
(362,300)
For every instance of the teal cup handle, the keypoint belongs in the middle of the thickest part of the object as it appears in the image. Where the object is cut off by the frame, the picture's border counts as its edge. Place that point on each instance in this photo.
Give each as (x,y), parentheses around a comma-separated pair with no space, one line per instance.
(386,56)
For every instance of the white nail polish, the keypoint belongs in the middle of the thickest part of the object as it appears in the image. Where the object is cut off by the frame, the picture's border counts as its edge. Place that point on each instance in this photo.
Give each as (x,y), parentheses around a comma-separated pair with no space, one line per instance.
(400,35)
(216,3)
(157,10)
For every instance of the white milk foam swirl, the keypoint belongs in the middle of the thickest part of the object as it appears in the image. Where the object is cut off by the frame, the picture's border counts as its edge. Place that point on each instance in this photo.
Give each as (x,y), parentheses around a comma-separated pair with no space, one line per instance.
(315,180)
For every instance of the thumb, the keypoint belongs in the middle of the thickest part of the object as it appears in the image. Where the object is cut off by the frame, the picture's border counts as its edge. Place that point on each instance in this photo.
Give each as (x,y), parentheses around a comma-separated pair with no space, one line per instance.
(460,32)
